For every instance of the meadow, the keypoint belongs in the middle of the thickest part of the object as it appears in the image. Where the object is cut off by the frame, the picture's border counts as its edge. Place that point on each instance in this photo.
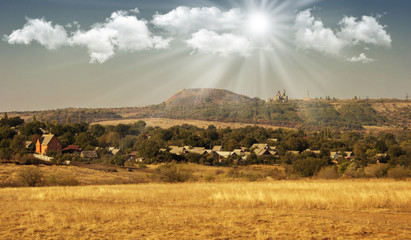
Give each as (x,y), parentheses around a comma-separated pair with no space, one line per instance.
(292,209)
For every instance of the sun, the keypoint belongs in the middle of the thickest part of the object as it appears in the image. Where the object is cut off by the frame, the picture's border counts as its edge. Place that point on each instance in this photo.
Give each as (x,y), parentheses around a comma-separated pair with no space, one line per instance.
(258,24)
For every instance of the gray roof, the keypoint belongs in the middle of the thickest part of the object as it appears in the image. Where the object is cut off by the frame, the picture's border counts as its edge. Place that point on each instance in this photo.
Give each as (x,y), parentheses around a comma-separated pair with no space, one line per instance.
(89,154)
(45,139)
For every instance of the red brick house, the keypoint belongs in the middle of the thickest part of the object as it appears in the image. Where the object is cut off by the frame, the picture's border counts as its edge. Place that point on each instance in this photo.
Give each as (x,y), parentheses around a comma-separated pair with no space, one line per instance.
(46,143)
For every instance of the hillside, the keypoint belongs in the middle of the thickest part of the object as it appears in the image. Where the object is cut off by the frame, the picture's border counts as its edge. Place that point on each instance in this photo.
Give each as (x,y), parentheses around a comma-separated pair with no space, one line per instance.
(217,105)
(205,96)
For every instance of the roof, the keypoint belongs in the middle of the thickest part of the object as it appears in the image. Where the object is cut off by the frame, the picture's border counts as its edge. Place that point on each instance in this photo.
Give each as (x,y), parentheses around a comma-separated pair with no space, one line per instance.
(217,148)
(223,153)
(72,147)
(238,152)
(260,145)
(89,154)
(28,144)
(178,150)
(45,139)
(133,153)
(197,150)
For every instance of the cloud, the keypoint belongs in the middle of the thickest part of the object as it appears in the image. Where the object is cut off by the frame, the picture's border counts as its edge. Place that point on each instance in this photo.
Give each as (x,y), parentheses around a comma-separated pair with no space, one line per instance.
(311,34)
(120,31)
(41,31)
(366,30)
(360,58)
(185,20)
(225,45)
(135,10)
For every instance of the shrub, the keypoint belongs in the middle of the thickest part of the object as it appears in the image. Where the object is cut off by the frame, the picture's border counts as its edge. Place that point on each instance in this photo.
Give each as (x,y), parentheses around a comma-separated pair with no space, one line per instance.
(330,172)
(377,171)
(209,178)
(171,173)
(61,180)
(354,171)
(29,160)
(399,173)
(30,176)
(308,167)
(275,174)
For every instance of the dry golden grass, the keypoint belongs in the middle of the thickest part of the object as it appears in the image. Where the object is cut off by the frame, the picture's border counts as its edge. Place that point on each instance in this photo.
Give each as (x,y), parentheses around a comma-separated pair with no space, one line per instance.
(167,123)
(338,209)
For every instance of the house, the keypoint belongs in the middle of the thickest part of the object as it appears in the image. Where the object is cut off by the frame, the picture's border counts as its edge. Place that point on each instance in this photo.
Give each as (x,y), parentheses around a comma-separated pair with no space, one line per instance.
(178,150)
(72,149)
(132,155)
(349,155)
(223,154)
(262,149)
(294,152)
(113,150)
(334,155)
(218,148)
(198,150)
(47,143)
(89,154)
(30,145)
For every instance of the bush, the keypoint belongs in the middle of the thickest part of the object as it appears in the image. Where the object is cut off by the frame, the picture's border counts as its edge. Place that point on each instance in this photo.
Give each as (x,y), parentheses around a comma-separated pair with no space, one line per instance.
(308,167)
(61,180)
(354,171)
(209,178)
(29,160)
(172,173)
(376,171)
(399,173)
(30,176)
(276,174)
(330,172)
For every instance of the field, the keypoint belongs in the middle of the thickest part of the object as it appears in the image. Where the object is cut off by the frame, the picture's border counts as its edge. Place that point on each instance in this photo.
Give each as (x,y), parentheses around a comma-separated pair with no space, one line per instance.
(167,123)
(301,209)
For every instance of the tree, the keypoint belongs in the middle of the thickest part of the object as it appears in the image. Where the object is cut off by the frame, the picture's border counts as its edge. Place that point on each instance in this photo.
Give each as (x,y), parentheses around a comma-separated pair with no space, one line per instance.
(85,140)
(97,130)
(30,176)
(18,144)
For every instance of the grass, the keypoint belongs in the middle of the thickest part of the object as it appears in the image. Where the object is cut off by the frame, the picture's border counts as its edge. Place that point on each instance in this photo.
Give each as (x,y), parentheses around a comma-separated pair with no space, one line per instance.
(167,123)
(317,209)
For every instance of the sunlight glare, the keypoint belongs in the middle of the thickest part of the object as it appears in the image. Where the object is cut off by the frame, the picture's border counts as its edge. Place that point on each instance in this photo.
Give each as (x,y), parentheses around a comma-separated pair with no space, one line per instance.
(258,24)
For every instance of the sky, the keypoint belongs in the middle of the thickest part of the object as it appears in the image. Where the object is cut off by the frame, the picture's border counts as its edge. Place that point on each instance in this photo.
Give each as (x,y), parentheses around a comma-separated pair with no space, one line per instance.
(125,53)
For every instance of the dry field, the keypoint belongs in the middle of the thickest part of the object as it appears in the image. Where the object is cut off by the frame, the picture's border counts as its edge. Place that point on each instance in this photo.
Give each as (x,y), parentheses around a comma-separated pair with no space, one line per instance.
(337,209)
(167,123)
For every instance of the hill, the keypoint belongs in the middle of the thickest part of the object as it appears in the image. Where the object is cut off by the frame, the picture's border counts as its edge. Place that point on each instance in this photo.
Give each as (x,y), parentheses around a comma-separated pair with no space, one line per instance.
(205,96)
(217,105)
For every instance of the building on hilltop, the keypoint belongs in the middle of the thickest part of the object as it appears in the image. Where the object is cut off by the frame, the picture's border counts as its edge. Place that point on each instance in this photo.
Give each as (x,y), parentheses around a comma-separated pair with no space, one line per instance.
(280,97)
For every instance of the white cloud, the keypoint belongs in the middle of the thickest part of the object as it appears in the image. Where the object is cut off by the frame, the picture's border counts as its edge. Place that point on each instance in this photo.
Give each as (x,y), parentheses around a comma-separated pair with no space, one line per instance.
(135,10)
(225,45)
(360,58)
(120,31)
(41,31)
(366,30)
(185,20)
(311,34)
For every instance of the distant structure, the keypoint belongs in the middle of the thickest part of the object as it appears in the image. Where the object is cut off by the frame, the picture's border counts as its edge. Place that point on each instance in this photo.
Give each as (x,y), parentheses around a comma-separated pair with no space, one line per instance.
(281,97)
(406,96)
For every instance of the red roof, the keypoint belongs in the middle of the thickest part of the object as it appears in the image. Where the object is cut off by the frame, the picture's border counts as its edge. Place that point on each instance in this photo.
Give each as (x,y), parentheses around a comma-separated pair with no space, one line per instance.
(72,147)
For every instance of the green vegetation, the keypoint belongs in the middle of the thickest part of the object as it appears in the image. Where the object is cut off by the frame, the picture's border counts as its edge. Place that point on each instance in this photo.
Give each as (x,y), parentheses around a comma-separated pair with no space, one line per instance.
(305,153)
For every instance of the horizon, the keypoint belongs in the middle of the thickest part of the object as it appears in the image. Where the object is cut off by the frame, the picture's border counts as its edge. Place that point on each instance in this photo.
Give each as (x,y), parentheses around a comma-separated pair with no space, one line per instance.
(79,54)
(321,98)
